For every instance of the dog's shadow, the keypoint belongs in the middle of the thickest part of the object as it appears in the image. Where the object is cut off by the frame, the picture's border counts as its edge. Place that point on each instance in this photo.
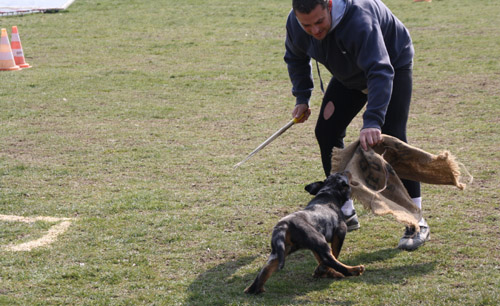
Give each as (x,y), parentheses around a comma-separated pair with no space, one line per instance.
(222,285)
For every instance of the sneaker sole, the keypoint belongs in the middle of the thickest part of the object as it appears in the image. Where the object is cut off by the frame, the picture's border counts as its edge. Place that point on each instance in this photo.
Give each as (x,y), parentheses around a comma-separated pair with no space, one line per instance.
(413,247)
(353,227)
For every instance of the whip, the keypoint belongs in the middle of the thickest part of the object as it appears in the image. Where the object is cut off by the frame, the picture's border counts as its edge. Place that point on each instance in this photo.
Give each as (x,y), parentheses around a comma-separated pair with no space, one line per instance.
(270,139)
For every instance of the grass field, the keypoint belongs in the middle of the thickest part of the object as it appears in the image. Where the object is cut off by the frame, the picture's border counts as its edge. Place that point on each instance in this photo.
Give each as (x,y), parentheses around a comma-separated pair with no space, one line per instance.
(135,112)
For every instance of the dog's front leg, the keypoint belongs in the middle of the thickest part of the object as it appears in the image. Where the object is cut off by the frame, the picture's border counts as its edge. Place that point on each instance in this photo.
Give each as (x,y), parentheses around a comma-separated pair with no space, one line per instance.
(338,240)
(323,271)
(324,255)
(258,284)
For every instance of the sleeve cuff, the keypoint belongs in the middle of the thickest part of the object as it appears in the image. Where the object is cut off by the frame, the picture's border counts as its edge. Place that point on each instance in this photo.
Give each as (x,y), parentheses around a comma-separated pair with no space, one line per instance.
(302,100)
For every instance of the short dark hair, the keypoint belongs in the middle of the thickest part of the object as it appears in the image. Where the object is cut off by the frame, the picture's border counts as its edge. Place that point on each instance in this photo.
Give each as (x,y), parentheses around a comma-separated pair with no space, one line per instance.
(306,6)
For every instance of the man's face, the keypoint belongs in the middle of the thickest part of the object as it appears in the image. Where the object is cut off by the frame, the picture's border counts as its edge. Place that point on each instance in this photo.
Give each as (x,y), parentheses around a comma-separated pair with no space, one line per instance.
(317,23)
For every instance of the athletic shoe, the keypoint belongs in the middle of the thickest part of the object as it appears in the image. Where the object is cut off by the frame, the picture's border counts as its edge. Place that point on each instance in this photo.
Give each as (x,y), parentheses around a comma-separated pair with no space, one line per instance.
(412,240)
(352,222)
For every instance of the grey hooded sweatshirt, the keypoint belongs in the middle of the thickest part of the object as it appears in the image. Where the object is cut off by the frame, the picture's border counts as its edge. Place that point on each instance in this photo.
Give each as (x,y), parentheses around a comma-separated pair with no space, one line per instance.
(363,48)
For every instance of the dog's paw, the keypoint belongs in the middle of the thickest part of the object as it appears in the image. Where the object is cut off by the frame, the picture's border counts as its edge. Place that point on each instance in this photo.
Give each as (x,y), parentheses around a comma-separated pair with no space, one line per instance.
(326,272)
(358,270)
(254,290)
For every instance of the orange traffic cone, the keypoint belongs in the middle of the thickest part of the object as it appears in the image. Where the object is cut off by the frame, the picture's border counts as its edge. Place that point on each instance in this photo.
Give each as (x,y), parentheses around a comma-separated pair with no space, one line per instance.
(6,57)
(17,49)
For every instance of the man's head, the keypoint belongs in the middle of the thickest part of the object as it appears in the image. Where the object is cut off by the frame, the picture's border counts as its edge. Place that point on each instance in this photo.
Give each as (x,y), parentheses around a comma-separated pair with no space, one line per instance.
(314,16)
(306,6)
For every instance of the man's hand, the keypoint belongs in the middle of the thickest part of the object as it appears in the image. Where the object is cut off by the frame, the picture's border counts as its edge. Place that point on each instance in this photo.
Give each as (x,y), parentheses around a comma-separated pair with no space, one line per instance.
(370,137)
(299,110)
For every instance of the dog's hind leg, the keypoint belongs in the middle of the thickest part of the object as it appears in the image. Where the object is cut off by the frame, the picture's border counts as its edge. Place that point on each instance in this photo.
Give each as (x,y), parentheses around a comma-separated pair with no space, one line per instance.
(281,247)
(258,284)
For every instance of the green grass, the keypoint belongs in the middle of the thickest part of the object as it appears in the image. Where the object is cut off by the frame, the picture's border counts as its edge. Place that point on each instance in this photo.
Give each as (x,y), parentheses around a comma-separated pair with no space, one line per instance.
(135,112)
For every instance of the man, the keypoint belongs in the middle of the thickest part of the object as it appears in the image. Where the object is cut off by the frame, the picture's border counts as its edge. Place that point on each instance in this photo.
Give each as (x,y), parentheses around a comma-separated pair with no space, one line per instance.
(370,55)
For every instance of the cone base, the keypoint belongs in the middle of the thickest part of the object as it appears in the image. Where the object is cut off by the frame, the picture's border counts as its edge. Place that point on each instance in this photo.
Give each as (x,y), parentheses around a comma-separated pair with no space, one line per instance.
(24,65)
(10,68)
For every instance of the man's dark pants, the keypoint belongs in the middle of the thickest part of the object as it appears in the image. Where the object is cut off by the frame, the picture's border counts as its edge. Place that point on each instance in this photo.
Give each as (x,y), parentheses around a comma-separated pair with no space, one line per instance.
(330,132)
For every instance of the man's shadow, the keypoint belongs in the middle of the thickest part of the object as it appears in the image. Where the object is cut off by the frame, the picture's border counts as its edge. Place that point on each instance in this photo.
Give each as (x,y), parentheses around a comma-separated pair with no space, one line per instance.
(221,285)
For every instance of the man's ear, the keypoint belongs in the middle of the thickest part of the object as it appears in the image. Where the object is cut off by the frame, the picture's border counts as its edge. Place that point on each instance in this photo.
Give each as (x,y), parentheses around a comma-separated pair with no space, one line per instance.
(315,187)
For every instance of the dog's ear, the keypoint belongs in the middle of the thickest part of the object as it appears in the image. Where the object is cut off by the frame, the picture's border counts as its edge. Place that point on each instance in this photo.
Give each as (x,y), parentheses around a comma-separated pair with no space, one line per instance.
(315,187)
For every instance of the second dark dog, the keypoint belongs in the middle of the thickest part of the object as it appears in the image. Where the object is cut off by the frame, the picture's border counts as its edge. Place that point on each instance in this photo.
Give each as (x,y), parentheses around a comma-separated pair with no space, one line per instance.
(313,228)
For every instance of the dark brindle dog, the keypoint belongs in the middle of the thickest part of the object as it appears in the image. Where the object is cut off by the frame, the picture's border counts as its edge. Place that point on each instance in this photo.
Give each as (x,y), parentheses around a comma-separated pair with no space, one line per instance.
(320,223)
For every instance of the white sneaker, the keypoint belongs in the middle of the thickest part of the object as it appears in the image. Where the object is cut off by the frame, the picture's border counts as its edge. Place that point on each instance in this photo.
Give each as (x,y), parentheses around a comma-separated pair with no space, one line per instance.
(412,240)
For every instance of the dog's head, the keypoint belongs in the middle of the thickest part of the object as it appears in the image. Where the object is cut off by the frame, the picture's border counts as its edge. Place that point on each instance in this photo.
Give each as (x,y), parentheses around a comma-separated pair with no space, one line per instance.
(336,184)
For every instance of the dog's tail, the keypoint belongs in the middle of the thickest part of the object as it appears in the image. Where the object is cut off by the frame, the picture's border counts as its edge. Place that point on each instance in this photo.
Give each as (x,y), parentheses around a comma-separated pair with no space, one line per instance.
(278,246)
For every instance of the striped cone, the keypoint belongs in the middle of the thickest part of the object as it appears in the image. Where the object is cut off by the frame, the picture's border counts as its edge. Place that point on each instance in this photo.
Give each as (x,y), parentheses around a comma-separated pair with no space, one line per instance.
(17,49)
(6,57)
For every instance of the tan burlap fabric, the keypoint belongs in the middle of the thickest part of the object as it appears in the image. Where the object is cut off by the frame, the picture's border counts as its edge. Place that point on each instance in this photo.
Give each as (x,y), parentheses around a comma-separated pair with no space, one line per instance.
(377,173)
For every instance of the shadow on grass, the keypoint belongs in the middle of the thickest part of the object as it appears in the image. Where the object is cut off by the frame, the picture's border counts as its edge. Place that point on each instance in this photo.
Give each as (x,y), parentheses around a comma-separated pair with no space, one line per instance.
(394,274)
(380,255)
(221,285)
(218,286)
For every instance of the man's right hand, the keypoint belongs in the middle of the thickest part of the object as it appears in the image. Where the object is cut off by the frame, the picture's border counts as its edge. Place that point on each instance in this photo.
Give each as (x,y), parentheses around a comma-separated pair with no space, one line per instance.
(299,110)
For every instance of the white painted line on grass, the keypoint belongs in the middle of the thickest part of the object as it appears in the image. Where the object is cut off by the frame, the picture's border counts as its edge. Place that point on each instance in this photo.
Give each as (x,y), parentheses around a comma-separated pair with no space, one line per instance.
(47,239)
